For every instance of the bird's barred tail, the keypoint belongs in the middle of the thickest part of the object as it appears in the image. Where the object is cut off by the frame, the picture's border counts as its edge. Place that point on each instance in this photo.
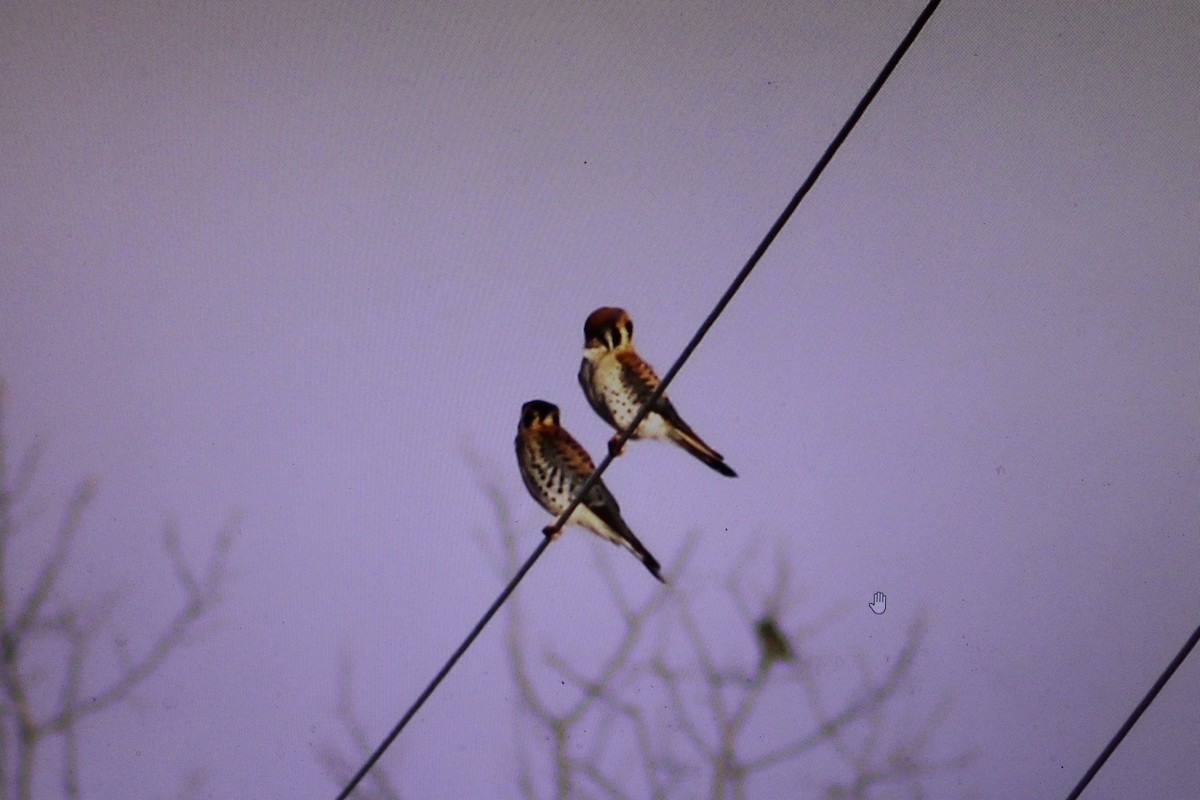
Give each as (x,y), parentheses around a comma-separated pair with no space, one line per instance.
(696,446)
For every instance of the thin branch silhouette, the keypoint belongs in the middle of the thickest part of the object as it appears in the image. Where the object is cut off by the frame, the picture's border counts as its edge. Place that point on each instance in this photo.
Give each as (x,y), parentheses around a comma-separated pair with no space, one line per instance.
(46,637)
(661,706)
(338,761)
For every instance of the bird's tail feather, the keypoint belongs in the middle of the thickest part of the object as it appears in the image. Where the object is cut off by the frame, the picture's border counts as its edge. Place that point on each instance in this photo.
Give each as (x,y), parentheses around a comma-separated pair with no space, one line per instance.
(604,520)
(631,543)
(697,447)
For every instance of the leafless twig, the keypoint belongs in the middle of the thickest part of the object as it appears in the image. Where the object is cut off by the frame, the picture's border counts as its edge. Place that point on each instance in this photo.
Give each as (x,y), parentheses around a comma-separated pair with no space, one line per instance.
(662,714)
(339,763)
(42,616)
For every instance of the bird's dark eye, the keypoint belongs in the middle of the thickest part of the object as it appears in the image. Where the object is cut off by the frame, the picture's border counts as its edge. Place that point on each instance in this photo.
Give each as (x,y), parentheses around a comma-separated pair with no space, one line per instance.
(628,329)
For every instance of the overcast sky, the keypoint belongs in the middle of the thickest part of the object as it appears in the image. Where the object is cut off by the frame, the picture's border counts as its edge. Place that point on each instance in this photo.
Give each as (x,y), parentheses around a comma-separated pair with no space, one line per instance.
(290,258)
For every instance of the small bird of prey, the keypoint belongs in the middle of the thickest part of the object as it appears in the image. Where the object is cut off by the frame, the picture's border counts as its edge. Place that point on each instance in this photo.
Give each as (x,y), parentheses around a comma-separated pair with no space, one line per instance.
(554,466)
(617,381)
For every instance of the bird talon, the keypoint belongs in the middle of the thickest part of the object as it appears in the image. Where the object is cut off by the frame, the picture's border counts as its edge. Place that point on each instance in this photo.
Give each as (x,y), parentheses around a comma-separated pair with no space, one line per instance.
(551,532)
(613,449)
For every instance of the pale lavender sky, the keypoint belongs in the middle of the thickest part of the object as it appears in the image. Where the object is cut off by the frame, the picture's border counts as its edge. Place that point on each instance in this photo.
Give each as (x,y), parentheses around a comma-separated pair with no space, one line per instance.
(287,257)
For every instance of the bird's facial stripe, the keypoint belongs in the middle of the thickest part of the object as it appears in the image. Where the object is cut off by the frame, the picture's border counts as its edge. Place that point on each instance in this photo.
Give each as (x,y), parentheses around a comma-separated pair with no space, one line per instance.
(537,412)
(608,326)
(619,333)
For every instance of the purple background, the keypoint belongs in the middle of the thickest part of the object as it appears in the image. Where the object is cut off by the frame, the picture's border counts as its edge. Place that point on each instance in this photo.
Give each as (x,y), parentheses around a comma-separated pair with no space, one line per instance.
(288,257)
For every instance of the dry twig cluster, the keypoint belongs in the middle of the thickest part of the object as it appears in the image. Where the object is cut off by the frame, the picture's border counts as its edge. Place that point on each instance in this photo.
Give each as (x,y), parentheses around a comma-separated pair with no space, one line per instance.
(48,642)
(663,713)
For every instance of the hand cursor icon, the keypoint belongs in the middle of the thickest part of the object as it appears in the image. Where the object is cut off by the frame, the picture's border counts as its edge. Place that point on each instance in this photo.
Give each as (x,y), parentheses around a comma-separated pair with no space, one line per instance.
(880,603)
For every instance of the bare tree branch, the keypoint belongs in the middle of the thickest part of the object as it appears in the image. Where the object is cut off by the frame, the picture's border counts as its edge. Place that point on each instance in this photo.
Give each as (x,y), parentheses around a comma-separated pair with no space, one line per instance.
(25,470)
(707,702)
(178,563)
(339,764)
(77,639)
(44,623)
(200,596)
(52,567)
(661,714)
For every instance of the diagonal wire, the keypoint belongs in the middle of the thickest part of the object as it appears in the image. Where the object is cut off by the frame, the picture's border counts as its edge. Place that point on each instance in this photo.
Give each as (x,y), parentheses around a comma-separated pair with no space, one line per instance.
(744,273)
(741,277)
(462,648)
(1115,742)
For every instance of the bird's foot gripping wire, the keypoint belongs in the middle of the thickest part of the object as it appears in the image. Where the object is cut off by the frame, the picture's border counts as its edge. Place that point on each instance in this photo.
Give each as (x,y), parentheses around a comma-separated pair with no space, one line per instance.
(613,449)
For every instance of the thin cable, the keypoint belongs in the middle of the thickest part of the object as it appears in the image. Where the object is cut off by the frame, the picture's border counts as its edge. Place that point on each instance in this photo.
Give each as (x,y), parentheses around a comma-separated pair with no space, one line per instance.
(826,157)
(1133,718)
(462,648)
(744,273)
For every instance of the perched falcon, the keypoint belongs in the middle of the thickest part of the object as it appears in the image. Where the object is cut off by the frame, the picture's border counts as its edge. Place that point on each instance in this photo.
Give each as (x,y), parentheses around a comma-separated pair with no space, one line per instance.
(554,466)
(617,381)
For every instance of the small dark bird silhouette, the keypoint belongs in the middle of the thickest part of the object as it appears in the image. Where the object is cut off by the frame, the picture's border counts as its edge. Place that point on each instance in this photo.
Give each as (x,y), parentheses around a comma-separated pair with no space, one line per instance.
(772,642)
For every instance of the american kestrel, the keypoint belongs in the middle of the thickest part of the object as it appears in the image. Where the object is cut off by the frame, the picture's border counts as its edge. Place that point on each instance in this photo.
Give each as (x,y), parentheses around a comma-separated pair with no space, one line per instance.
(617,381)
(554,466)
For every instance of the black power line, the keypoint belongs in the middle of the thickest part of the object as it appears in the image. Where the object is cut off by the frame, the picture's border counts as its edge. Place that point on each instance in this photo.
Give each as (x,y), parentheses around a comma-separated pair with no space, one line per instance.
(1133,718)
(744,273)
(433,684)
